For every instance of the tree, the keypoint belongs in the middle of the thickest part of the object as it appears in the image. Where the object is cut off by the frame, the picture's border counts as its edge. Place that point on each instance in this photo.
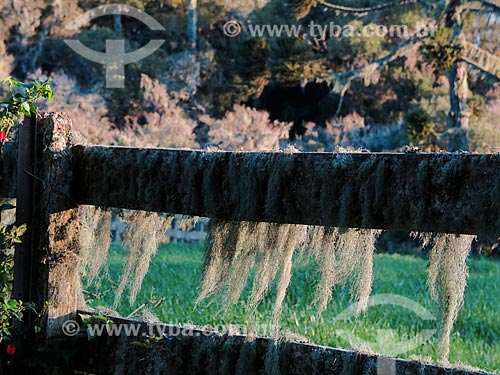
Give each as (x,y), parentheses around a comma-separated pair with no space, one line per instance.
(192,23)
(451,16)
(28,24)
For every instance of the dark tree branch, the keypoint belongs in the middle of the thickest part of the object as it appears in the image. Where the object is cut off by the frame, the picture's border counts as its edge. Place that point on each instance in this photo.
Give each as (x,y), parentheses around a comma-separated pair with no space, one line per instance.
(343,78)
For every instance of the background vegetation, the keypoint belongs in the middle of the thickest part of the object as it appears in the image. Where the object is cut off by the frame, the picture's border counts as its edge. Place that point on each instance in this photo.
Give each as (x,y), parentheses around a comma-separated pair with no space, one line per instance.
(193,98)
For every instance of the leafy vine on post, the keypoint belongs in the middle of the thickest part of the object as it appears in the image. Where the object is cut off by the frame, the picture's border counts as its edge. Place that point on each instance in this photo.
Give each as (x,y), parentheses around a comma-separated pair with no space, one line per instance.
(20,102)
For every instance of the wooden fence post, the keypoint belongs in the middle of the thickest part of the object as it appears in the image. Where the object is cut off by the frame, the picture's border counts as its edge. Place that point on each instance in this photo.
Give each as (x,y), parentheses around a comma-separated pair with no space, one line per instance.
(46,268)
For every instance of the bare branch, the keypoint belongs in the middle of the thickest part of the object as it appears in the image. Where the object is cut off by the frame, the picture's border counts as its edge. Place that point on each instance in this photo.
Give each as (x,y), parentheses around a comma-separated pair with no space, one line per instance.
(481,59)
(340,80)
(367,9)
(341,100)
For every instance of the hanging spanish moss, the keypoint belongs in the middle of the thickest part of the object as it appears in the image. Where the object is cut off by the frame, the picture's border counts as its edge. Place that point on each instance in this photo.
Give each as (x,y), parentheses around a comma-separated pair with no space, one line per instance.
(447,278)
(356,248)
(95,239)
(234,249)
(247,247)
(221,242)
(343,257)
(144,232)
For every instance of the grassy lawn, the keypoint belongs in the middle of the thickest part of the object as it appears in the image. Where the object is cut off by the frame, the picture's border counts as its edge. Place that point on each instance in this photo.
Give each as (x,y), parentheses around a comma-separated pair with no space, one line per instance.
(175,272)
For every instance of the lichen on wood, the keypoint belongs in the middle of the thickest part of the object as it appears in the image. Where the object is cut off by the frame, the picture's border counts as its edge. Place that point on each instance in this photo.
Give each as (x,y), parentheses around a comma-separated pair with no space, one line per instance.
(440,192)
(95,240)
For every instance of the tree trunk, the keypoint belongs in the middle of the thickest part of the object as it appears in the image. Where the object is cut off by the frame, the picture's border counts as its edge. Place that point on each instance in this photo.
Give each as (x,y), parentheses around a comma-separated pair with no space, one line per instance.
(192,24)
(457,78)
(459,114)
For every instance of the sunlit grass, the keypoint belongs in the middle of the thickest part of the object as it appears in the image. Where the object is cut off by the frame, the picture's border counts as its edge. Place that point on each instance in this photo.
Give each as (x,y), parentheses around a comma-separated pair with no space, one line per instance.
(175,273)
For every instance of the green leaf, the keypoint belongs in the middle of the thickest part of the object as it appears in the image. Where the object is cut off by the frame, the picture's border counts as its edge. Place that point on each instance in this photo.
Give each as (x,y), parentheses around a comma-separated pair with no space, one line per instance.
(26,108)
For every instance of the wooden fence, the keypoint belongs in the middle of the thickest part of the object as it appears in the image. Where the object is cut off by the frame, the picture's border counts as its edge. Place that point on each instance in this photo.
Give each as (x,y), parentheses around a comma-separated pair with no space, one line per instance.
(435,192)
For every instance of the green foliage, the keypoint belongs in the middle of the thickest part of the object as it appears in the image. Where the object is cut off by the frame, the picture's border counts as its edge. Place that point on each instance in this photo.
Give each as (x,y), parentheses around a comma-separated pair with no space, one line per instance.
(419,125)
(20,101)
(294,61)
(254,55)
(365,48)
(9,308)
(477,107)
(441,52)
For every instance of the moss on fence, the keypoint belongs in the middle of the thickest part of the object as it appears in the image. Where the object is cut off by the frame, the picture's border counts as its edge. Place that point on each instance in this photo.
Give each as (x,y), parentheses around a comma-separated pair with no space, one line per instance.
(447,193)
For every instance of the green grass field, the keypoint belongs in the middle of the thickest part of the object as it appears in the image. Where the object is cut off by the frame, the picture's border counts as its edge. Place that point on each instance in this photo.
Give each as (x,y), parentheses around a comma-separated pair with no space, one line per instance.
(175,272)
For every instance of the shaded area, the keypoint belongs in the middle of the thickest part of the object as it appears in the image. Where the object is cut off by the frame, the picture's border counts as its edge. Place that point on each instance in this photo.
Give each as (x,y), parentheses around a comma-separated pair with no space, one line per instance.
(193,351)
(8,170)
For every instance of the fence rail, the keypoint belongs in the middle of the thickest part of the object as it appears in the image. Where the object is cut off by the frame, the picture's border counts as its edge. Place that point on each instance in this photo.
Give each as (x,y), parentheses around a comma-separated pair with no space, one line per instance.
(430,192)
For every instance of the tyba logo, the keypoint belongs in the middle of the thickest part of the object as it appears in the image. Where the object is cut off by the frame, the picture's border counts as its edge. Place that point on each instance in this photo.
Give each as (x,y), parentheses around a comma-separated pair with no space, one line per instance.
(387,341)
(115,58)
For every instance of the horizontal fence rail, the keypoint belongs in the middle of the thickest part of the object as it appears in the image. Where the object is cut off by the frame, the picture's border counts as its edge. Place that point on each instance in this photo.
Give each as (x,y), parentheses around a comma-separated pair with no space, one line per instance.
(428,192)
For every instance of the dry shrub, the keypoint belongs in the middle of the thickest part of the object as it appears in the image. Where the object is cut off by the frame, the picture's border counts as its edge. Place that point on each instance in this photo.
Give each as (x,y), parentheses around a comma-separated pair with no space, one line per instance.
(22,23)
(167,124)
(7,60)
(246,129)
(144,232)
(243,7)
(183,74)
(95,239)
(351,131)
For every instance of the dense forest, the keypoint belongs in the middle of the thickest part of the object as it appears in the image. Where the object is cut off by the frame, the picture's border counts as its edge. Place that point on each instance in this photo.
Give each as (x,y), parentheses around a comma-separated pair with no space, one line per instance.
(319,90)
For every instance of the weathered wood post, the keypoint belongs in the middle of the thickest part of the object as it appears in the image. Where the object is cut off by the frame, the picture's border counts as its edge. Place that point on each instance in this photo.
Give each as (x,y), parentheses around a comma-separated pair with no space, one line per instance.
(46,261)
